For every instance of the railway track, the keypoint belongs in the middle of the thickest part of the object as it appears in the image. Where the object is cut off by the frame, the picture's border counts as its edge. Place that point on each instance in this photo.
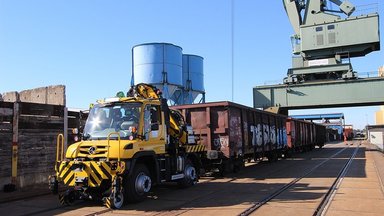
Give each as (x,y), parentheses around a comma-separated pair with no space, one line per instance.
(327,198)
(323,207)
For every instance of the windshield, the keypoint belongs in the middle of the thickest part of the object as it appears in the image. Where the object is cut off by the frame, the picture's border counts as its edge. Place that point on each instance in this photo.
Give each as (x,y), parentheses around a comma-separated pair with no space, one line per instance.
(118,117)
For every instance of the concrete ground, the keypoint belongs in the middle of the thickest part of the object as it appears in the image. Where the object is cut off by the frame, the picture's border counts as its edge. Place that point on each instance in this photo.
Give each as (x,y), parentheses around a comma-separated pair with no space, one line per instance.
(24,193)
(361,191)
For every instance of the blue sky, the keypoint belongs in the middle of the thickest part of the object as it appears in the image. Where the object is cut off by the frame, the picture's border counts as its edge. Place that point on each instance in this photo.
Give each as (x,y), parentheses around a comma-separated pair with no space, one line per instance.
(86,45)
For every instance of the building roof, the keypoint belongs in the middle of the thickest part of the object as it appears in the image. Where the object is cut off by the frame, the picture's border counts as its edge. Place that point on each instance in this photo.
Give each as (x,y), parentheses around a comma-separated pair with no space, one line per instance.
(319,116)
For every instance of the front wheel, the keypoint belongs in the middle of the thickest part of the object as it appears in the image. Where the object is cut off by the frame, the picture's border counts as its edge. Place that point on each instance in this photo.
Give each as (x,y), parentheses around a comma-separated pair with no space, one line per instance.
(190,175)
(138,184)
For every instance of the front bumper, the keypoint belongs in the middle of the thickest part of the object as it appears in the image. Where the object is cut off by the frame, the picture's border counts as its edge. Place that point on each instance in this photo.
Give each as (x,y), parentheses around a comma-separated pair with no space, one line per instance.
(88,173)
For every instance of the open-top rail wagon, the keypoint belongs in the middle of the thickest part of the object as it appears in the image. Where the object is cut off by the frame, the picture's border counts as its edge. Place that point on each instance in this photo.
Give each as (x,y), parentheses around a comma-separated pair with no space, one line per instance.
(234,133)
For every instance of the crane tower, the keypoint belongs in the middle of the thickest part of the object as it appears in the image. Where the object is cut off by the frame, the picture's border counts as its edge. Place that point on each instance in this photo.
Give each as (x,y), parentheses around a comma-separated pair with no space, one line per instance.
(325,40)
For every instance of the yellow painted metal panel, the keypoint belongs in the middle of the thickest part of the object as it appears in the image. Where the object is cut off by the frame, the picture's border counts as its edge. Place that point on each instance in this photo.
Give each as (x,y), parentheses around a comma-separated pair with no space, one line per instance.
(380,117)
(14,161)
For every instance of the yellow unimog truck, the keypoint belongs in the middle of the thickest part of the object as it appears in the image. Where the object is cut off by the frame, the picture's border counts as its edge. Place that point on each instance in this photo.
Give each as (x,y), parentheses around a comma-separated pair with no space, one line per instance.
(129,144)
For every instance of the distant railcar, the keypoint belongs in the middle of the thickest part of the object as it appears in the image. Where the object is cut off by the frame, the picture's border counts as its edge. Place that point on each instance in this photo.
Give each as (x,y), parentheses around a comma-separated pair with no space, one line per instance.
(304,135)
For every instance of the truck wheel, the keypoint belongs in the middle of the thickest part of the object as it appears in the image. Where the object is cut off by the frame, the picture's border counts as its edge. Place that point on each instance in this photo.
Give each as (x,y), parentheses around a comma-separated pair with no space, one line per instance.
(138,184)
(190,175)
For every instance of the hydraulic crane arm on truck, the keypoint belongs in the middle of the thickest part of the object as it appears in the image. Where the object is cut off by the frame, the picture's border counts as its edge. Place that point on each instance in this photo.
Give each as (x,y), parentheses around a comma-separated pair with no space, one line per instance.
(129,144)
(176,122)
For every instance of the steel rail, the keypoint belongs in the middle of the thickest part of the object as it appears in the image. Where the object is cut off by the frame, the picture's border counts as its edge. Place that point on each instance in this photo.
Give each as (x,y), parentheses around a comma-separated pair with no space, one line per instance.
(326,201)
(257,205)
(80,203)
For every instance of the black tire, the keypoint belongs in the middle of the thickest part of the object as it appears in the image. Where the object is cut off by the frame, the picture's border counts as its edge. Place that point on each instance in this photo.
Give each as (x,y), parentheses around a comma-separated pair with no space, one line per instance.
(68,197)
(190,175)
(138,184)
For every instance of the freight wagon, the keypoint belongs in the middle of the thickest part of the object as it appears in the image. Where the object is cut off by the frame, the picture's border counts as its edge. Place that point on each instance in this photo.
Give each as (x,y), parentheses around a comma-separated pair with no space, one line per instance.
(233,133)
(303,135)
(348,132)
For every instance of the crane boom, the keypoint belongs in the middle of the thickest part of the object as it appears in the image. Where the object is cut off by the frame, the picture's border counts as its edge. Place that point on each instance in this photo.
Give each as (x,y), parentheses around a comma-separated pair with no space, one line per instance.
(293,10)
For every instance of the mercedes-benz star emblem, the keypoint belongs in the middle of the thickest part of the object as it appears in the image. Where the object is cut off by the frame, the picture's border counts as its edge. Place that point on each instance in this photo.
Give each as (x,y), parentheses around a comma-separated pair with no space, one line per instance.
(92,150)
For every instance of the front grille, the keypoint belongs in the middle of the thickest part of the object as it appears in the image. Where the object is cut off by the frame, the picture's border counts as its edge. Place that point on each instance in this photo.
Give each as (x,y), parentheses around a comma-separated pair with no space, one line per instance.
(93,150)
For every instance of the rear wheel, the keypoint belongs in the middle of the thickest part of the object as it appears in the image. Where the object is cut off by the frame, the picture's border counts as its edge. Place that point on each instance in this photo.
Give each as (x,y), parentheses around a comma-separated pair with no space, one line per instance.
(138,184)
(190,175)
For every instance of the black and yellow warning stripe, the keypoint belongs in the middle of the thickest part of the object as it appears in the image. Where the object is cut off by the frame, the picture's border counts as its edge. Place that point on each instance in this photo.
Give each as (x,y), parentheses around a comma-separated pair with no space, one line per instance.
(62,199)
(65,174)
(94,171)
(195,148)
(108,203)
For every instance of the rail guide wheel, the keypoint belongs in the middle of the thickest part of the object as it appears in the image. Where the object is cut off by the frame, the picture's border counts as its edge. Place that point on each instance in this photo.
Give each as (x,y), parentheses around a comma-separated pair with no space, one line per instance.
(116,198)
(68,197)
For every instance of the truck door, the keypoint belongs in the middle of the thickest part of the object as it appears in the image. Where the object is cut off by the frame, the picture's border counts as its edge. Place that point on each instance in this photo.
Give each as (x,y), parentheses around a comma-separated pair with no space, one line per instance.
(154,129)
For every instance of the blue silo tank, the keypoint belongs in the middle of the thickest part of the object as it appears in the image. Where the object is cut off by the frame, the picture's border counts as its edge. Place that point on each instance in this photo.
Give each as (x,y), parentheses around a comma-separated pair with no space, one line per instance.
(193,75)
(158,64)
